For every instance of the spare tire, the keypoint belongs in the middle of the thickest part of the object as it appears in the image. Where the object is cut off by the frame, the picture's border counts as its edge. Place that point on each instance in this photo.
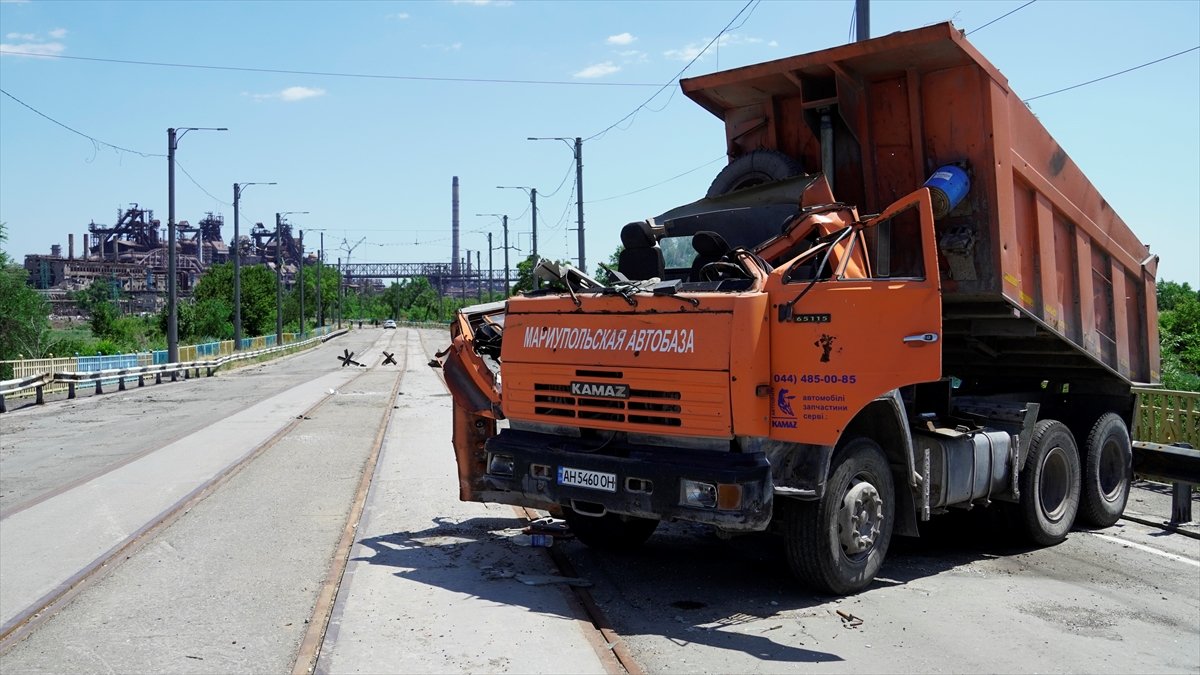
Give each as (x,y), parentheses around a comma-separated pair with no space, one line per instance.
(755,168)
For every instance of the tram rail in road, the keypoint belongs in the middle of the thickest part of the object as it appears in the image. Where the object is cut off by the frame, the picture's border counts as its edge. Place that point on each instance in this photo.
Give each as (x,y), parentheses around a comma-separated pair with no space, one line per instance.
(430,583)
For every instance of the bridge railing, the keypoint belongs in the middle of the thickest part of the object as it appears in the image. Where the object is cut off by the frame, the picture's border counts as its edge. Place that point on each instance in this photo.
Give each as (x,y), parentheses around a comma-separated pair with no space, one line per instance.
(1166,431)
(29,369)
(138,368)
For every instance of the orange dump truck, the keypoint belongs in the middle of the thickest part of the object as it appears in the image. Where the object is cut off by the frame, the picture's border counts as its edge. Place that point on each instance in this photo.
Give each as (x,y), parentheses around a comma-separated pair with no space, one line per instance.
(959,327)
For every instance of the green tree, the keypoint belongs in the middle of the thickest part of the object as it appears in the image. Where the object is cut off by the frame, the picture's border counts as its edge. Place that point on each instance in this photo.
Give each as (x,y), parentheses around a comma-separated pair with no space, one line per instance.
(99,300)
(524,281)
(210,313)
(1179,335)
(613,261)
(24,313)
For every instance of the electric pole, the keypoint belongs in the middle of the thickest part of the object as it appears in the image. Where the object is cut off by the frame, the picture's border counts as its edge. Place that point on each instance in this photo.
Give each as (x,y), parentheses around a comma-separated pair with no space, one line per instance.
(320,268)
(278,281)
(300,276)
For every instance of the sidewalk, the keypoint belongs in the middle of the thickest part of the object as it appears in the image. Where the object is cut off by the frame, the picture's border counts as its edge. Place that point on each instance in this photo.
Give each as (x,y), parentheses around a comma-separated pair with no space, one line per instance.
(44,548)
(432,585)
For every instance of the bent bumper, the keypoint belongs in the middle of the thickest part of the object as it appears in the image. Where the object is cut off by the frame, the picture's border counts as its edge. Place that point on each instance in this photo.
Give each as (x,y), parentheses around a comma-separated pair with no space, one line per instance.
(649,480)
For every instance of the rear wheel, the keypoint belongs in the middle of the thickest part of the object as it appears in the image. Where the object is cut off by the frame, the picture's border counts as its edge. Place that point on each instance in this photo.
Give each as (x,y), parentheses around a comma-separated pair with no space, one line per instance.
(1107,471)
(754,168)
(1049,484)
(837,545)
(611,531)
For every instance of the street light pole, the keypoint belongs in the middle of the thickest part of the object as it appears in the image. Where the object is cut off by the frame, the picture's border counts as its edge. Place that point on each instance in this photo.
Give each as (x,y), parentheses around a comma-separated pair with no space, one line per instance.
(278,281)
(505,221)
(491,269)
(172,290)
(577,149)
(532,191)
(237,265)
(320,268)
(300,276)
(279,275)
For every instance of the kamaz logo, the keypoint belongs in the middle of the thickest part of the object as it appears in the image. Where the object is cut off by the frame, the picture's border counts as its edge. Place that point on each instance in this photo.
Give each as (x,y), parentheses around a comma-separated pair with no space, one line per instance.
(599,390)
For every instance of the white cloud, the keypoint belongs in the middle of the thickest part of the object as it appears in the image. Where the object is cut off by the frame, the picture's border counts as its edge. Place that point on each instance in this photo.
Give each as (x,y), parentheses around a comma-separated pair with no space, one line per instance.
(598,70)
(398,16)
(289,95)
(772,43)
(28,37)
(58,33)
(444,47)
(33,48)
(622,39)
(685,53)
(481,3)
(690,51)
(300,93)
(633,56)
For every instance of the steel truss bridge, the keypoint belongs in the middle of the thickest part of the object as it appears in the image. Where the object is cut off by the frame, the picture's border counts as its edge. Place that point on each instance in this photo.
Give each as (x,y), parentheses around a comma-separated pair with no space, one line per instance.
(441,275)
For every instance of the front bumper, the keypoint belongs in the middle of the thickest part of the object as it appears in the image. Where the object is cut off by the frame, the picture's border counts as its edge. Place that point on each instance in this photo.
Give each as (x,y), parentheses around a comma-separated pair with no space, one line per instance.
(649,480)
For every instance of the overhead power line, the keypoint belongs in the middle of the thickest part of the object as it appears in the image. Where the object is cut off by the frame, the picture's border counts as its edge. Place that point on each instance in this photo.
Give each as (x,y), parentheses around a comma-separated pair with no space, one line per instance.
(77,132)
(1098,79)
(659,183)
(97,142)
(975,30)
(320,73)
(682,70)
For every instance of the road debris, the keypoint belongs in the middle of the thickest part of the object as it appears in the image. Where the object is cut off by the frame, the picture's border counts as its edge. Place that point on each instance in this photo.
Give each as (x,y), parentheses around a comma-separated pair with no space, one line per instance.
(849,620)
(545,579)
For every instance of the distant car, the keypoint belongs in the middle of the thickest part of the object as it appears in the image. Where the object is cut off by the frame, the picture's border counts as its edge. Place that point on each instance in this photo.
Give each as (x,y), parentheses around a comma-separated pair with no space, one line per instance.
(390,323)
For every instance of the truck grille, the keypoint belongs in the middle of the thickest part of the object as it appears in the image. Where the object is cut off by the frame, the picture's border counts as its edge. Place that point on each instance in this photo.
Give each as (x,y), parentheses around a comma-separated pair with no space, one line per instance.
(558,402)
(656,400)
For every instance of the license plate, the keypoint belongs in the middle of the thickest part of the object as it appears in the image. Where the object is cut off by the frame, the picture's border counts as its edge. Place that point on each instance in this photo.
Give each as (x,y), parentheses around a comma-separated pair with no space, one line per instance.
(583,478)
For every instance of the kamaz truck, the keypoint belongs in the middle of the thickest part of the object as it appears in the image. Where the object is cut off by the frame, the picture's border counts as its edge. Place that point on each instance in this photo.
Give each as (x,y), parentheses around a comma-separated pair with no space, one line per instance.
(899,298)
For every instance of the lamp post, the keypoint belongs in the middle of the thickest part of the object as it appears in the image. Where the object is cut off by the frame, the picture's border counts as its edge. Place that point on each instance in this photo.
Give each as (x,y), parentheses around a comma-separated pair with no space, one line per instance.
(173,139)
(505,221)
(577,149)
(532,192)
(279,274)
(237,265)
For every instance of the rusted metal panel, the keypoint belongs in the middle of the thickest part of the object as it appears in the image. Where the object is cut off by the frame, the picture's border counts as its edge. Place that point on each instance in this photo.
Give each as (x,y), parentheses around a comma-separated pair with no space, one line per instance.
(1039,238)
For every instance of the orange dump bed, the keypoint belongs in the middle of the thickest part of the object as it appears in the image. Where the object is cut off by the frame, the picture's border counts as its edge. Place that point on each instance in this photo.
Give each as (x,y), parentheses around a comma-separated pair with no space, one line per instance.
(1038,272)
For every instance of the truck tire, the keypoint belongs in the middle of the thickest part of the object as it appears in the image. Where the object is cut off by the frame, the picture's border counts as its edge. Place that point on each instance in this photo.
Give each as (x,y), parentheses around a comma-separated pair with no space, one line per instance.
(611,531)
(1107,472)
(754,168)
(837,545)
(1049,484)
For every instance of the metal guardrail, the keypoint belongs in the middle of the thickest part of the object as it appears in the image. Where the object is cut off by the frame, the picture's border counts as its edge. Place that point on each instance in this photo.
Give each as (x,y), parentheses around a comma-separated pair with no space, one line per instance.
(1166,431)
(99,378)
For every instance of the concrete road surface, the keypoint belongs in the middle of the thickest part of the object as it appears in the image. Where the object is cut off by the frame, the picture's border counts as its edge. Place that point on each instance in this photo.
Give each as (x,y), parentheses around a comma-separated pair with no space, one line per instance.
(230,583)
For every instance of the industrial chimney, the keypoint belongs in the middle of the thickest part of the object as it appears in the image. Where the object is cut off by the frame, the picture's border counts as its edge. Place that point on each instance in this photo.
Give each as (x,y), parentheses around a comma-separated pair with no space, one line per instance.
(70,246)
(87,251)
(454,228)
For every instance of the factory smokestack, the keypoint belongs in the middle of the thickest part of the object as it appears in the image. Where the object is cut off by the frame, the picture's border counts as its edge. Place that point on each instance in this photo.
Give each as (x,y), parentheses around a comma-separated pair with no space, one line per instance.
(87,252)
(454,227)
(70,246)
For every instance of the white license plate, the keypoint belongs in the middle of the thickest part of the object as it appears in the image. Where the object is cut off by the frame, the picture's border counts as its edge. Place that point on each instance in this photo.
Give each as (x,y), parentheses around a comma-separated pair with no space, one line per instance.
(594,480)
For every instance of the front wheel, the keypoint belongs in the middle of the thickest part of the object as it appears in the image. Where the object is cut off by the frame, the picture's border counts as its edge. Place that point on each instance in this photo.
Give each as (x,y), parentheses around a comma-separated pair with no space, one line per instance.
(837,545)
(1050,484)
(611,531)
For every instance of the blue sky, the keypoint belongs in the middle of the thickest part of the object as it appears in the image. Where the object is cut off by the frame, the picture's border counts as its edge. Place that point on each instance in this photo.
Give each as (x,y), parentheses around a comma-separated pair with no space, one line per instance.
(372,158)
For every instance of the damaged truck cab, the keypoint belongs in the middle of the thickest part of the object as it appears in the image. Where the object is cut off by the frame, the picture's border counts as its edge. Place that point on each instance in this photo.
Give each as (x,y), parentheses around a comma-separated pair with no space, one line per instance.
(769,356)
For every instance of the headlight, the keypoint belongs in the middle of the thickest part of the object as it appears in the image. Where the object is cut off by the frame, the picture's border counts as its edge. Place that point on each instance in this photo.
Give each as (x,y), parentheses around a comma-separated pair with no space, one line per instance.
(699,494)
(500,465)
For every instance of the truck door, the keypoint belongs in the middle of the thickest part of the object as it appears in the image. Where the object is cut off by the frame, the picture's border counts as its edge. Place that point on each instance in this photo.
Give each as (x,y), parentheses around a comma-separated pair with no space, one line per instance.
(844,330)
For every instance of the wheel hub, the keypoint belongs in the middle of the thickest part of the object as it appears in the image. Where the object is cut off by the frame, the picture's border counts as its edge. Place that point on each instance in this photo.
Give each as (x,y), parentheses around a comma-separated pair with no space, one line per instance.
(860,518)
